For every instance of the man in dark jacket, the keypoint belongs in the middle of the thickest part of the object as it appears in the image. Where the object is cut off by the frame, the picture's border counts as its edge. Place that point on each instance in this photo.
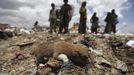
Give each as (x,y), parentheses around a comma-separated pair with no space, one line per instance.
(114,20)
(94,20)
(65,14)
(108,27)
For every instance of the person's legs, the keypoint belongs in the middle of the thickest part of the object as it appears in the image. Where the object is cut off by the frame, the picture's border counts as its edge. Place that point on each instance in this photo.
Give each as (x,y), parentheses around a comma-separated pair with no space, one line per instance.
(109,27)
(92,29)
(114,28)
(54,25)
(61,26)
(96,27)
(51,24)
(80,27)
(106,28)
(66,27)
(84,26)
(66,24)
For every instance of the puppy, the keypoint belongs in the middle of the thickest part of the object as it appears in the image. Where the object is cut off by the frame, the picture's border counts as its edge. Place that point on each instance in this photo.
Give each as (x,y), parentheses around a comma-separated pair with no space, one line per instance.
(76,53)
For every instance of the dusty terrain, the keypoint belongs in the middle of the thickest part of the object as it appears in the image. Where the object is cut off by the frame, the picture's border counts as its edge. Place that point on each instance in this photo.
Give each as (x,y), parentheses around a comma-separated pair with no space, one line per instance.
(106,59)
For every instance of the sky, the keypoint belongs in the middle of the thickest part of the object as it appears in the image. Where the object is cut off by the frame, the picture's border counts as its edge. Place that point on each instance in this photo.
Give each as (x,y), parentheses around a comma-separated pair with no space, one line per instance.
(23,13)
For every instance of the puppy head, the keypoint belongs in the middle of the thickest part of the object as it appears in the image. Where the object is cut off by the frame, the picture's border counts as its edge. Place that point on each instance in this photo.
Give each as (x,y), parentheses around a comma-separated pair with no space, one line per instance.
(79,59)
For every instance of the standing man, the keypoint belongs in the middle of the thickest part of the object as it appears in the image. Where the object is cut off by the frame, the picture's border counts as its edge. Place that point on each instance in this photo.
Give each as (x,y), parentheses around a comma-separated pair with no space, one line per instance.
(108,27)
(36,24)
(114,20)
(65,14)
(52,18)
(94,20)
(83,19)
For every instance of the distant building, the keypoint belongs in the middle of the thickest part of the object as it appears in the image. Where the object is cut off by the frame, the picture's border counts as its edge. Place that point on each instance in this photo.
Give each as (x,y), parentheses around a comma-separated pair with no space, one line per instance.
(4,26)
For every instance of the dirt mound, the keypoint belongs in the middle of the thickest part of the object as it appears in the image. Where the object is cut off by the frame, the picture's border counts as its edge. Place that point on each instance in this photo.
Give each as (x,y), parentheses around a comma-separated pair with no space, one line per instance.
(109,55)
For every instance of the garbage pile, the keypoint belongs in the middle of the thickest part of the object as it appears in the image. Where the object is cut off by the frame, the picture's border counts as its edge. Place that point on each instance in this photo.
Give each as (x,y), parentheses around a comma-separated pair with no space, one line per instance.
(107,54)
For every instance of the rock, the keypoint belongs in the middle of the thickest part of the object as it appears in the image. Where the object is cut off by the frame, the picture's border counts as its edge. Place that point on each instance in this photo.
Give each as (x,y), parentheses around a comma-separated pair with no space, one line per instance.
(115,72)
(107,36)
(97,52)
(20,55)
(51,74)
(45,71)
(21,68)
(122,66)
(32,71)
(28,73)
(24,31)
(53,63)
(62,38)
(94,71)
(41,65)
(25,44)
(98,66)
(130,53)
(101,62)
(76,71)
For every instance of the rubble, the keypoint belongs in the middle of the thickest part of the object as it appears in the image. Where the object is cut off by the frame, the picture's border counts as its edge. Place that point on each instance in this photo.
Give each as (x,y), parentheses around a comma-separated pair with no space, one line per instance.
(108,55)
(122,66)
(100,62)
(130,43)
(5,35)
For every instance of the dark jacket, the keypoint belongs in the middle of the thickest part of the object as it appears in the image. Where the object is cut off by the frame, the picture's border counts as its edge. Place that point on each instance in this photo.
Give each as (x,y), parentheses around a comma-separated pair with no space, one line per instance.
(65,12)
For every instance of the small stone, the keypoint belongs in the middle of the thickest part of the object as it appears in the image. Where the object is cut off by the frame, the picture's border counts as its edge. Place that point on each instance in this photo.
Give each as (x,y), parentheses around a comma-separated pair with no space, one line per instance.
(122,66)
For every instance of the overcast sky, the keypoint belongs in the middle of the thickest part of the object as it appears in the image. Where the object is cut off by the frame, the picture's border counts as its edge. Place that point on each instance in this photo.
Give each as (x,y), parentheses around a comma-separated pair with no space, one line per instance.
(26,12)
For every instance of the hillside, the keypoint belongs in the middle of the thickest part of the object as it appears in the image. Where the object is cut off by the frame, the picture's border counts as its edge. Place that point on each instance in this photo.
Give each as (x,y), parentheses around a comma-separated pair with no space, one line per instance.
(109,54)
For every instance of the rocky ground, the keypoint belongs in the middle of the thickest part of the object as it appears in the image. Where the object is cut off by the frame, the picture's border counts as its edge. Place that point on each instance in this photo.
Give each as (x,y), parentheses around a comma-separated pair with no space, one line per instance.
(109,55)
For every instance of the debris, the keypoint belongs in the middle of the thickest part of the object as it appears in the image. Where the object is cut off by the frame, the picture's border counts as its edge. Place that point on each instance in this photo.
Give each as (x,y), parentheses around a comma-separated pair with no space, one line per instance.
(5,35)
(70,69)
(41,65)
(24,31)
(20,55)
(122,66)
(86,41)
(102,58)
(25,44)
(97,52)
(130,53)
(54,64)
(62,38)
(101,62)
(107,36)
(117,44)
(130,43)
